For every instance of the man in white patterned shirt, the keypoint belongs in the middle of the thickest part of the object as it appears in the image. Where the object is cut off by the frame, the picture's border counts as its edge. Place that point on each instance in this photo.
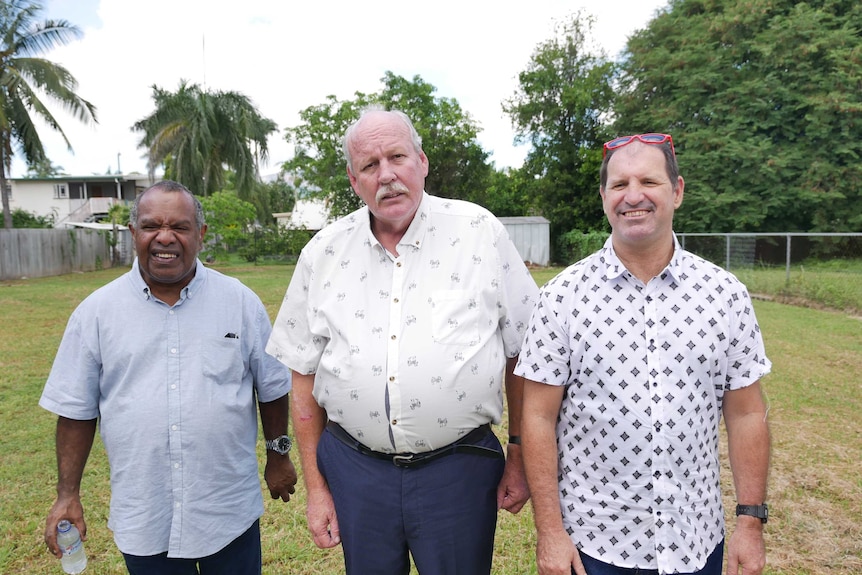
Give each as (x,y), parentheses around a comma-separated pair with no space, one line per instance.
(631,358)
(401,324)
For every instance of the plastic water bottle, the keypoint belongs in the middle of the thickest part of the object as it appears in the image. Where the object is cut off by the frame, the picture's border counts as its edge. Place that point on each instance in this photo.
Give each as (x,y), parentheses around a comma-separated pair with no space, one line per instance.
(74,558)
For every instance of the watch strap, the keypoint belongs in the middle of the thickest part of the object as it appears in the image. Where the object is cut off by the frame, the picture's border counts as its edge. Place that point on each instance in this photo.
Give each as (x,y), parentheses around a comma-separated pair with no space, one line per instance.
(759,511)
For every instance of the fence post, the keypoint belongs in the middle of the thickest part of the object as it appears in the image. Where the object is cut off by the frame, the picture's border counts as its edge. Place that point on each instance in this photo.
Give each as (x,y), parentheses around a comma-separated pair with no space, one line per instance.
(787,266)
(727,254)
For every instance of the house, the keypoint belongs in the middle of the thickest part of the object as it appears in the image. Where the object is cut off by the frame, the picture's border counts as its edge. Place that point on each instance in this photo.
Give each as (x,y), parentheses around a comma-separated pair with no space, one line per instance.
(531,236)
(307,214)
(74,199)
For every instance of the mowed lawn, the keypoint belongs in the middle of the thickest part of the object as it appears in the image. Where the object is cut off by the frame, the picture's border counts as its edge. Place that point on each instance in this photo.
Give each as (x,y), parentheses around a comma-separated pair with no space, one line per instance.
(814,391)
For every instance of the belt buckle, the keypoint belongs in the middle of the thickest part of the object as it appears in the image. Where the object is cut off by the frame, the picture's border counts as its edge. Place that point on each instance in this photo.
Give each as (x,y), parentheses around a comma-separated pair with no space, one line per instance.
(403,460)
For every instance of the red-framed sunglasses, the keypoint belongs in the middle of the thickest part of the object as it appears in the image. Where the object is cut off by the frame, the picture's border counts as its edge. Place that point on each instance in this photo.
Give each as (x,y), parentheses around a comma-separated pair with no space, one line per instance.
(656,139)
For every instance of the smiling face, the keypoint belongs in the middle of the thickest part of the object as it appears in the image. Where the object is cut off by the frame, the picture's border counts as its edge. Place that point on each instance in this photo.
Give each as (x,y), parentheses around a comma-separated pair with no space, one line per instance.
(167,241)
(387,171)
(639,199)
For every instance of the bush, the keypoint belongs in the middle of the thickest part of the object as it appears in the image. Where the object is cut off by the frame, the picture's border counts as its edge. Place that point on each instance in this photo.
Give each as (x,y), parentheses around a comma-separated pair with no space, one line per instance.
(274,242)
(25,219)
(575,245)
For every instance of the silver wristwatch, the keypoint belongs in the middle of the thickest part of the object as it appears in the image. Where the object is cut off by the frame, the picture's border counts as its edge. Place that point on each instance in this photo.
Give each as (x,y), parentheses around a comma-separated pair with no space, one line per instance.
(280,445)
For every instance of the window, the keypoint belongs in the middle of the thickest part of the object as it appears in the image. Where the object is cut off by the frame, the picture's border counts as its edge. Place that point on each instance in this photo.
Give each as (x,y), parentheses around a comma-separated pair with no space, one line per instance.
(61,192)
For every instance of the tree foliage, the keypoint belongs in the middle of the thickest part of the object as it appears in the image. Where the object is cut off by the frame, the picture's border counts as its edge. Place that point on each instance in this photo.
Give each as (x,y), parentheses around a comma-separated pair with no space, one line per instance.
(25,79)
(228,219)
(196,133)
(561,108)
(458,166)
(764,100)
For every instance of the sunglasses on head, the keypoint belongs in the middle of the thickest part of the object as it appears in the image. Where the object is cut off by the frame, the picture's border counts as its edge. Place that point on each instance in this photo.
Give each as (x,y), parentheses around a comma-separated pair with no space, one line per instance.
(656,139)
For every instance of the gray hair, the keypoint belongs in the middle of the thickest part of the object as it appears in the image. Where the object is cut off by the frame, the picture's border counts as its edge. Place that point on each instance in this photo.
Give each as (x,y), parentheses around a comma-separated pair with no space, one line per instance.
(169,186)
(350,132)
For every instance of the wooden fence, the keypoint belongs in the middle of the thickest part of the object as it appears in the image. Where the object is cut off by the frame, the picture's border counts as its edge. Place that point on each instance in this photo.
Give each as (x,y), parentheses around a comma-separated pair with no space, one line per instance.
(32,253)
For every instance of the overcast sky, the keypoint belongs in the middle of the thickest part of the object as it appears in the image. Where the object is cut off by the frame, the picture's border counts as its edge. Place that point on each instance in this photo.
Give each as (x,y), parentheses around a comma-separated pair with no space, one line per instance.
(287,55)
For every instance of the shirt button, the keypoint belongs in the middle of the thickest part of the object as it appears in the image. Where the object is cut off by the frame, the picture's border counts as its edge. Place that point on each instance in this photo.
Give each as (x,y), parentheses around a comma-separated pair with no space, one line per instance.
(171,312)
(394,422)
(173,386)
(393,337)
(173,350)
(392,378)
(176,465)
(395,300)
(173,428)
(398,265)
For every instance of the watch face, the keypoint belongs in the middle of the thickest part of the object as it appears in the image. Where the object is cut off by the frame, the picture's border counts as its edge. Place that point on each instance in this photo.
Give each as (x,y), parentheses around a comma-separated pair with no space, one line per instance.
(283,444)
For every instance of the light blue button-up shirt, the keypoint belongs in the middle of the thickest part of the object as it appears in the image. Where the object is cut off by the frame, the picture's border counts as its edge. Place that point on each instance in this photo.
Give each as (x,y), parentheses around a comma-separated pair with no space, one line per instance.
(175,389)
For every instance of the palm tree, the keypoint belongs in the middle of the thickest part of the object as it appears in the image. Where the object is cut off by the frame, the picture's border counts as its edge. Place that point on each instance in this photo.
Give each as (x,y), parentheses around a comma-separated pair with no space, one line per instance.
(23,77)
(196,133)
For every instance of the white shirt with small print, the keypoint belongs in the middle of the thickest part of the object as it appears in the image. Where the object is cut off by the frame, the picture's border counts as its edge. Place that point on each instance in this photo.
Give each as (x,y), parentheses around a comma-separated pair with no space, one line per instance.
(645,369)
(408,352)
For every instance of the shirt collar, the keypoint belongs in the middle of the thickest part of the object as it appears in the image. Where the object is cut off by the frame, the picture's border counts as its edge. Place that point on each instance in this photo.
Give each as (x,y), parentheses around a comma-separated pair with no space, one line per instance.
(141,287)
(415,233)
(614,268)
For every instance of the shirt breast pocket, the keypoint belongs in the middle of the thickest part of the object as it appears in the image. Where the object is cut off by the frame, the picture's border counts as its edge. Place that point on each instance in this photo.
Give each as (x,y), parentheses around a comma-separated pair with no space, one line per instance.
(455,317)
(222,360)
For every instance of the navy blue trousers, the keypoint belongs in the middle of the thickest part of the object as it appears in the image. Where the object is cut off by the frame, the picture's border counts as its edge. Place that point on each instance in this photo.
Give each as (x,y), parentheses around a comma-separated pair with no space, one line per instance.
(443,513)
(596,567)
(241,556)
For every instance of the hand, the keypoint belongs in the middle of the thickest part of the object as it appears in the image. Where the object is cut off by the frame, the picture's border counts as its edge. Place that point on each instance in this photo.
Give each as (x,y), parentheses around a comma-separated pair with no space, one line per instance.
(513,492)
(69,508)
(556,554)
(280,476)
(322,521)
(746,551)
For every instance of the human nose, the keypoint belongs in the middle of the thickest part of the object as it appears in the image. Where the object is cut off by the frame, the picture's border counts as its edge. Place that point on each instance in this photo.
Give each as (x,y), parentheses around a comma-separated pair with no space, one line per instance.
(165,235)
(386,174)
(634,193)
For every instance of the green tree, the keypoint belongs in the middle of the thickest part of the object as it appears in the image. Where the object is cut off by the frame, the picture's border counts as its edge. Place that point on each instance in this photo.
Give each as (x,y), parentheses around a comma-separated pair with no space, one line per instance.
(196,133)
(118,214)
(561,108)
(458,164)
(43,168)
(764,101)
(228,219)
(25,79)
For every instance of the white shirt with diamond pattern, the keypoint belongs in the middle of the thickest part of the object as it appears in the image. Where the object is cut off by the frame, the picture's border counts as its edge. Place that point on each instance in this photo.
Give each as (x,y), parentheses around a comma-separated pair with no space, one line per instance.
(645,369)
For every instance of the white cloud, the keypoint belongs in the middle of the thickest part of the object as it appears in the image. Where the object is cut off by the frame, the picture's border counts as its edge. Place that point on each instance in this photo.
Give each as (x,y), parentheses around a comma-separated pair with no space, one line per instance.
(287,56)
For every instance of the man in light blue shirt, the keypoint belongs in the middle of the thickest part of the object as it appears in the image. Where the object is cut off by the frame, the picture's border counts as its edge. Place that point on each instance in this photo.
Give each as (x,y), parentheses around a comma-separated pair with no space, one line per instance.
(170,359)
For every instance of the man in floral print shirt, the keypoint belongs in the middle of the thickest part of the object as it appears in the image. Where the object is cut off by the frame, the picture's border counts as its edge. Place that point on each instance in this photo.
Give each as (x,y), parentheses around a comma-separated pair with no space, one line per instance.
(401,324)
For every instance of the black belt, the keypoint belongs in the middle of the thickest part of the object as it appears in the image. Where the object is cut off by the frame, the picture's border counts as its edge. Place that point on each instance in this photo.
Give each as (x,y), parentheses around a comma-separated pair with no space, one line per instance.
(463,445)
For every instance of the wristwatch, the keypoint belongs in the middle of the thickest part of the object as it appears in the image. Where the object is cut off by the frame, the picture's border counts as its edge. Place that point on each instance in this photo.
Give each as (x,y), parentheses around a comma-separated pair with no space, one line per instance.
(759,511)
(280,445)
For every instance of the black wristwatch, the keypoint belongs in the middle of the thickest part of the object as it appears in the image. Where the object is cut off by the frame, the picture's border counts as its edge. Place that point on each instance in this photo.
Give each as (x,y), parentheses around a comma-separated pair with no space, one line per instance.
(280,445)
(759,511)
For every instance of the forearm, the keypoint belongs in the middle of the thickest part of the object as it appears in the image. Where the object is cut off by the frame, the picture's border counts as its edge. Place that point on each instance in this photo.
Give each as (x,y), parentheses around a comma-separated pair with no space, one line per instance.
(274,417)
(748,443)
(74,440)
(514,396)
(309,420)
(539,440)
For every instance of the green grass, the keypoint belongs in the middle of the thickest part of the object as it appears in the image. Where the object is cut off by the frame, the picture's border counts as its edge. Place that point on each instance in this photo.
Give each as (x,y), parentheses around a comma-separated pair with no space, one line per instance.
(815,396)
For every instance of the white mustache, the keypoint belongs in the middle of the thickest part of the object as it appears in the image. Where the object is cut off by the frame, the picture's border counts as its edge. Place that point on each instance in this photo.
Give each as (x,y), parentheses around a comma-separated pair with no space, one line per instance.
(389,188)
